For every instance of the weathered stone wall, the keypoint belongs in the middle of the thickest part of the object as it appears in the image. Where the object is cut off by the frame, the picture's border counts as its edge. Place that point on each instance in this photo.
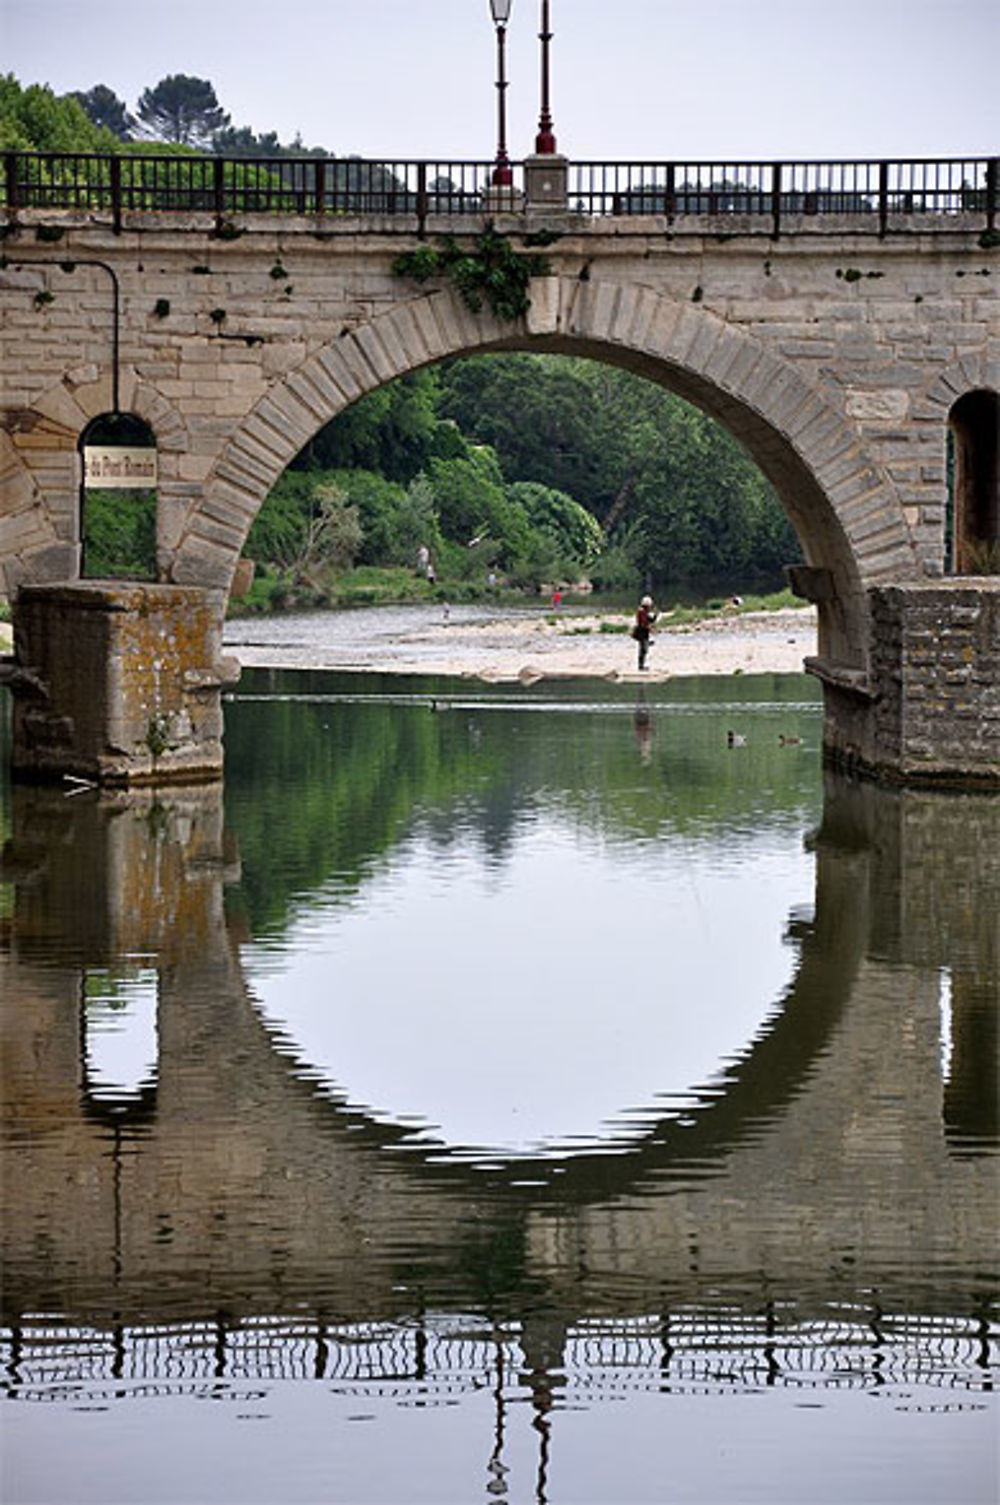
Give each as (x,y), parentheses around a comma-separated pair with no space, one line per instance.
(936,675)
(841,351)
(928,709)
(118,683)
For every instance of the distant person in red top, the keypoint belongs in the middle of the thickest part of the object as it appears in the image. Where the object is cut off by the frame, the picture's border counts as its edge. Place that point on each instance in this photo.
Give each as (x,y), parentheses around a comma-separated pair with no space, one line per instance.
(642,631)
(557,597)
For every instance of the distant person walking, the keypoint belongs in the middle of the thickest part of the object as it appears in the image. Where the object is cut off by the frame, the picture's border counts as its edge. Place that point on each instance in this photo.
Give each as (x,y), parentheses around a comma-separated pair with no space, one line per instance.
(643,630)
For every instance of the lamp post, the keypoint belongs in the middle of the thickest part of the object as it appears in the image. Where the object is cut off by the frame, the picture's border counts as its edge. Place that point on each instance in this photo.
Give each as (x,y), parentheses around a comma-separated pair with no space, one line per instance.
(545,141)
(502,175)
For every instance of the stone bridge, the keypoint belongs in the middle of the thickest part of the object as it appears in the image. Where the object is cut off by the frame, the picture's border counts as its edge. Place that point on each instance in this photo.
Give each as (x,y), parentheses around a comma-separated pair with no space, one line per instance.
(841,350)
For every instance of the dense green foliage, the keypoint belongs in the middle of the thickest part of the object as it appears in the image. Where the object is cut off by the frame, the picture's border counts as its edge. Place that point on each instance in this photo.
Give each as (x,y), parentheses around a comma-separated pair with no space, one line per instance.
(675,492)
(540,467)
(34,119)
(120,534)
(179,111)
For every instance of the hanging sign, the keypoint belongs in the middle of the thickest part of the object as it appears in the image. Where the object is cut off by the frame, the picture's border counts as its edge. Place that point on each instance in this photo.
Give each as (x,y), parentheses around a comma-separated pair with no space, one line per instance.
(118,469)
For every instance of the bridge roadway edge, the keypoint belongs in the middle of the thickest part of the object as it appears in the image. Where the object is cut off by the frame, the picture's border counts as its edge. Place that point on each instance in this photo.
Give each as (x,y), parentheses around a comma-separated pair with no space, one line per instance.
(840,387)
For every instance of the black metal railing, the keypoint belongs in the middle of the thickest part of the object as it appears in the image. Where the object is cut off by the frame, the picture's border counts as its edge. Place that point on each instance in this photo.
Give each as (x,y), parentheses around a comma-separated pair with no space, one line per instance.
(715,1350)
(780,190)
(229,188)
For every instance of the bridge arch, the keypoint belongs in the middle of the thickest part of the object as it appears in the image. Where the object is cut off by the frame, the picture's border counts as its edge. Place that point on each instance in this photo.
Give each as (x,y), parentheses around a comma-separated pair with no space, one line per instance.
(847,517)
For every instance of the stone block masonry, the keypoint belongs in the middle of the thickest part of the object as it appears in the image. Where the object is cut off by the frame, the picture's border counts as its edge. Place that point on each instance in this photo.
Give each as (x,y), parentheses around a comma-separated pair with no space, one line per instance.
(930,713)
(118,684)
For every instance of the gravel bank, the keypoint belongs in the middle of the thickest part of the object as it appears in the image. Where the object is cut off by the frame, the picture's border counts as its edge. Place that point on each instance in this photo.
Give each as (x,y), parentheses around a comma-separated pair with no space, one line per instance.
(471,642)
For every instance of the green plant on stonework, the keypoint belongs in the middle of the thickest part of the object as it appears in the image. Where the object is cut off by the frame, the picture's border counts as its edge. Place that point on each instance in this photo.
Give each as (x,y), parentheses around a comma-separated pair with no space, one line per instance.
(491,273)
(158,734)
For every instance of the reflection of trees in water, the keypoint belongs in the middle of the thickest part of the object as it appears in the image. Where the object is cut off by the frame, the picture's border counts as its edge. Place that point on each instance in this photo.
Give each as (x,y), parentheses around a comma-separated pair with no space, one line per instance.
(320,790)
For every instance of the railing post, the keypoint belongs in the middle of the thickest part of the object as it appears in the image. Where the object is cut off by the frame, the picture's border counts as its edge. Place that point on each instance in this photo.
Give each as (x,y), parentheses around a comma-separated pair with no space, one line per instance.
(775,200)
(10,177)
(219,189)
(116,194)
(883,198)
(992,183)
(421,200)
(670,196)
(320,185)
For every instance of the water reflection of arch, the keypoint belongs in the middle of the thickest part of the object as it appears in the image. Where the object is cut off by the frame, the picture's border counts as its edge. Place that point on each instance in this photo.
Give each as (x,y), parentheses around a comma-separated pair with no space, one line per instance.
(232,1108)
(767,1075)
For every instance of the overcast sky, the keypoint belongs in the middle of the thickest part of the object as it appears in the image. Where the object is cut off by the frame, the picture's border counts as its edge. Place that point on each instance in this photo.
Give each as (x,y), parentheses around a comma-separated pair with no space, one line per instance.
(631,79)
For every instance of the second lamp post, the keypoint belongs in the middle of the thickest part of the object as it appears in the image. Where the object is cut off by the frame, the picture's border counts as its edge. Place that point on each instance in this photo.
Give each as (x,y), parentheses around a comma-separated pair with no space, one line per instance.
(502,175)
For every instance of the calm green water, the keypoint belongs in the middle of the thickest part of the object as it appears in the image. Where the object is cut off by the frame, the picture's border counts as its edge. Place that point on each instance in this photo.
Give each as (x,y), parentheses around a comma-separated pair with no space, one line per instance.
(501,1094)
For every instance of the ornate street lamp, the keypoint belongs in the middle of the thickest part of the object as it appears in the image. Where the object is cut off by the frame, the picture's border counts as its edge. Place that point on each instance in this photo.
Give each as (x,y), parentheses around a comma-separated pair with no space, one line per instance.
(502,175)
(545,141)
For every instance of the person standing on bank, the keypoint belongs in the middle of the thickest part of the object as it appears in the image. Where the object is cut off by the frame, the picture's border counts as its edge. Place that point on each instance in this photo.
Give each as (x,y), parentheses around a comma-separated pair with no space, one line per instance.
(642,631)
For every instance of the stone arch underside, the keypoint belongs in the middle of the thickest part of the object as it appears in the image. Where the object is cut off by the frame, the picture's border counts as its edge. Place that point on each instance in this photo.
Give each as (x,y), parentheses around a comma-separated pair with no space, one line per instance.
(844,511)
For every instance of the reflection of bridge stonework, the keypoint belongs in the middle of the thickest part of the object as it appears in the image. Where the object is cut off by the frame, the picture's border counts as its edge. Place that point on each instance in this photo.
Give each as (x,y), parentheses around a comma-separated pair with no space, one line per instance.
(151,1211)
(836,360)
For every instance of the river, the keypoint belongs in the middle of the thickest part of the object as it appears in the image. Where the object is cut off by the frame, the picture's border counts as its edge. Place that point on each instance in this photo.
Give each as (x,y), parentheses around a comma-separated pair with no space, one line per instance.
(552,1092)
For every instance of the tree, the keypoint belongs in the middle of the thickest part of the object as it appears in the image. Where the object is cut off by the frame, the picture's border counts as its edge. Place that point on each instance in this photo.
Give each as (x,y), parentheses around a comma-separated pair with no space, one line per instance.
(305,527)
(377,503)
(34,119)
(472,503)
(394,430)
(241,141)
(107,111)
(540,416)
(182,109)
(680,495)
(575,533)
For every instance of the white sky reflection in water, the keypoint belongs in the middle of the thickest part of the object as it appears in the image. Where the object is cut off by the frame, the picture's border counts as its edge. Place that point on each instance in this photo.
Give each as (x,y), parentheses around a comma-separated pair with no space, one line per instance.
(571,992)
(120,1027)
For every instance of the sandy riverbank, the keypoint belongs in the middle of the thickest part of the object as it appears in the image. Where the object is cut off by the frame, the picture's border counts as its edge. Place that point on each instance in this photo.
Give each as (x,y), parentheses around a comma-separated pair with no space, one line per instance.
(527,645)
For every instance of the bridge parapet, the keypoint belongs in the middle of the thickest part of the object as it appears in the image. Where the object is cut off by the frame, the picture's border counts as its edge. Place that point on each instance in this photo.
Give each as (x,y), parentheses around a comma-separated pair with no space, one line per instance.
(876,196)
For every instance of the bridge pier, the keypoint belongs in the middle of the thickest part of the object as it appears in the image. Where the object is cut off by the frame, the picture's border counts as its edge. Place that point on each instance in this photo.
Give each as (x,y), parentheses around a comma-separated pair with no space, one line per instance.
(928,709)
(118,683)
